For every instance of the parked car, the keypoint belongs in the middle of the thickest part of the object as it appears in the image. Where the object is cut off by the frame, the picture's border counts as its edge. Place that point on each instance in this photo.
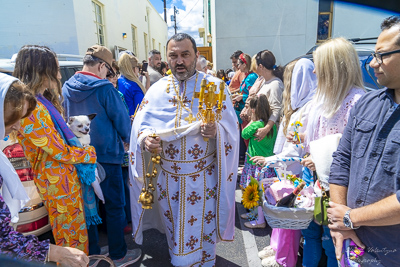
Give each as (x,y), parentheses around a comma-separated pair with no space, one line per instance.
(364,48)
(33,218)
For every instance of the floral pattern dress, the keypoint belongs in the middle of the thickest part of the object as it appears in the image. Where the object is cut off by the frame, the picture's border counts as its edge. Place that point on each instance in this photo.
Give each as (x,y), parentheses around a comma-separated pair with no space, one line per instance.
(15,244)
(56,178)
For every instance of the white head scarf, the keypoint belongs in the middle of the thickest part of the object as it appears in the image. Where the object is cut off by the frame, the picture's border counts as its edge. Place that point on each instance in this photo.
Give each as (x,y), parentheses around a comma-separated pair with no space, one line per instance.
(13,191)
(304,83)
(302,90)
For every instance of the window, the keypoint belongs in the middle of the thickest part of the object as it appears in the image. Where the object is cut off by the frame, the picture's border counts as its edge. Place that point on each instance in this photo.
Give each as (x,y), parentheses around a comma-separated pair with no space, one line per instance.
(153,43)
(99,22)
(146,46)
(134,39)
(325,15)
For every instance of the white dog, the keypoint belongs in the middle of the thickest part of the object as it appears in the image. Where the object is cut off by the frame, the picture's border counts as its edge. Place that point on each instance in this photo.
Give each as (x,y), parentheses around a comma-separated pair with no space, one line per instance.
(80,126)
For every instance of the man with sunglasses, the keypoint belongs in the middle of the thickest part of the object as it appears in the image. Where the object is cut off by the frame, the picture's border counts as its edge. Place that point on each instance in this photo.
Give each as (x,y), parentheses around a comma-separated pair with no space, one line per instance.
(88,92)
(365,173)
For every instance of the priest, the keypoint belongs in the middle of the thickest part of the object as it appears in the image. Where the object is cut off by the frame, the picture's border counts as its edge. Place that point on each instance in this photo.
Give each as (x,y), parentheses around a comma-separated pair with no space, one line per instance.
(194,200)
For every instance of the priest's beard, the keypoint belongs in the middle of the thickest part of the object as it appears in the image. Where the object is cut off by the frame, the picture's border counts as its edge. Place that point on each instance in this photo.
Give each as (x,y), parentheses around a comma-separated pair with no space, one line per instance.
(183,76)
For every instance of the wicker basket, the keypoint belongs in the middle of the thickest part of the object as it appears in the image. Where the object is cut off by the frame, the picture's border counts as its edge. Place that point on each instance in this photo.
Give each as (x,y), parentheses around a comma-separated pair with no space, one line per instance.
(102,258)
(287,218)
(282,217)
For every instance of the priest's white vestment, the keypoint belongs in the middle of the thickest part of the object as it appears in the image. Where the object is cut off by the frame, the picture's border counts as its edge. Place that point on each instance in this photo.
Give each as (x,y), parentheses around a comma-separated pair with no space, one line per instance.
(195,189)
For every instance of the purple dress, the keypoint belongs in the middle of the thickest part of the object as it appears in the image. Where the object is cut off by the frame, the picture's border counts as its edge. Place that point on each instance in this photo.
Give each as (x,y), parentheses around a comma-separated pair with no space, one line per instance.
(16,245)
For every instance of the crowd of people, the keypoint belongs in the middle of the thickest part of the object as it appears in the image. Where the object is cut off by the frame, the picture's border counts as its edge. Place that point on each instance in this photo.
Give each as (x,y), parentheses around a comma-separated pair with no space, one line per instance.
(150,111)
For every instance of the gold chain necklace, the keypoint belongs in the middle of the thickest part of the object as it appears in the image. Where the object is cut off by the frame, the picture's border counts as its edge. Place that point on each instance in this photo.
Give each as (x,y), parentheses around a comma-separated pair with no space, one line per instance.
(189,118)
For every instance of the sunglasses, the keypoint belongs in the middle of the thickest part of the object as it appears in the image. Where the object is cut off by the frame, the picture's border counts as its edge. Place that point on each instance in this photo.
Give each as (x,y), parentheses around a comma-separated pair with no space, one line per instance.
(112,75)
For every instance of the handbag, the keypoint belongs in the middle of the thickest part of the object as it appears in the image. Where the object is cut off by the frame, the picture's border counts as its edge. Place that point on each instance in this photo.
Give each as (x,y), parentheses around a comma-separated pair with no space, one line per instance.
(321,206)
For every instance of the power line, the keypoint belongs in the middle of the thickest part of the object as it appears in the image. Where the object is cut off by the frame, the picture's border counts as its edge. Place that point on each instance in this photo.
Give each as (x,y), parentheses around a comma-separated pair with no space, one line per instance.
(175,12)
(189,12)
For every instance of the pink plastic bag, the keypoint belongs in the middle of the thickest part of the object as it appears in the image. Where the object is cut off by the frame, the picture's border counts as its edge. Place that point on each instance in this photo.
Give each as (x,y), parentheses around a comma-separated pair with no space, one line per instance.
(286,244)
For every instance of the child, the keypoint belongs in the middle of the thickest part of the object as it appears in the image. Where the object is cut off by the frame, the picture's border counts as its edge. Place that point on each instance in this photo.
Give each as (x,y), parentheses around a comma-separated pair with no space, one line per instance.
(260,112)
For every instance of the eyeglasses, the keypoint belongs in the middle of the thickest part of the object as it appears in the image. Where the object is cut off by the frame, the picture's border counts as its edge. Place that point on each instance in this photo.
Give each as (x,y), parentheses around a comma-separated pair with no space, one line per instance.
(378,56)
(110,75)
(108,67)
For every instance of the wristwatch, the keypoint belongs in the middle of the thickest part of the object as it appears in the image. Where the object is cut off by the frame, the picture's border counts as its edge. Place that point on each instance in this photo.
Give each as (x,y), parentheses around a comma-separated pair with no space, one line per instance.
(347,221)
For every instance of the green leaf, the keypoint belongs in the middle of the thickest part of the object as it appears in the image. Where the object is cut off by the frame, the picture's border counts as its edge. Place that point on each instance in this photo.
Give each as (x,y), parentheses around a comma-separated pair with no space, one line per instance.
(28,129)
(52,190)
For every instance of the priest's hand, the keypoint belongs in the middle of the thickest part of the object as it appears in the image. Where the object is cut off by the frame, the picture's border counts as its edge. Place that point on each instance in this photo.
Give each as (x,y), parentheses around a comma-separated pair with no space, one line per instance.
(209,130)
(153,144)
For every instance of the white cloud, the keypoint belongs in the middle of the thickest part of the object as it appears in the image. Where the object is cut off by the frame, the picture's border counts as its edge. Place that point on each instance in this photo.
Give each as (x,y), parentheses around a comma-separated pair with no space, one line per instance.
(189,19)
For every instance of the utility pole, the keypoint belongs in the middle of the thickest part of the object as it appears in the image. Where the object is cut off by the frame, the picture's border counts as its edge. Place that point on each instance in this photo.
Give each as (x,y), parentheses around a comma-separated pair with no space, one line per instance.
(165,10)
(175,12)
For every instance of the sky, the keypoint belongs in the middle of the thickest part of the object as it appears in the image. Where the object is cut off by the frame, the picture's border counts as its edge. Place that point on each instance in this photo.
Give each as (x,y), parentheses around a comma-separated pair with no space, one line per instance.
(189,19)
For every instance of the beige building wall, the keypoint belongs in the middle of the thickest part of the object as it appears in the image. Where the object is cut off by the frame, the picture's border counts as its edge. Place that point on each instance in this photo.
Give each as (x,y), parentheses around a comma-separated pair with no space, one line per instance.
(288,28)
(119,17)
(68,26)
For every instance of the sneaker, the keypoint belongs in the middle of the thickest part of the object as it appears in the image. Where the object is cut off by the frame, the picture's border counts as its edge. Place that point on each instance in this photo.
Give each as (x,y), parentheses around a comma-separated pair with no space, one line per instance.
(104,251)
(270,262)
(131,256)
(266,252)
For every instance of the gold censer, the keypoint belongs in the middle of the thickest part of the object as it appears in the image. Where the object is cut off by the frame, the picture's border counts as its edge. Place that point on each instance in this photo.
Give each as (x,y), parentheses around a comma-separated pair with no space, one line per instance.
(208,100)
(146,198)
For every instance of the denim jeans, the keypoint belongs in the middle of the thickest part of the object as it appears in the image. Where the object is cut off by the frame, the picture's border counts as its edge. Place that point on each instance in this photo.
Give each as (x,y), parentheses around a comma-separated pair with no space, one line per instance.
(125,175)
(317,237)
(114,196)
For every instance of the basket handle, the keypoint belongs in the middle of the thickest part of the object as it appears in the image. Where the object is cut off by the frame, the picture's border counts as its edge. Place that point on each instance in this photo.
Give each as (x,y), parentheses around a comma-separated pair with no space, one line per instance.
(102,258)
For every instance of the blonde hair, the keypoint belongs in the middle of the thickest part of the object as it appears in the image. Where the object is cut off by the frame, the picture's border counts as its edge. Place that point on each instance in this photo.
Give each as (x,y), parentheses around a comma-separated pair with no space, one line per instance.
(126,63)
(338,70)
(287,105)
(253,66)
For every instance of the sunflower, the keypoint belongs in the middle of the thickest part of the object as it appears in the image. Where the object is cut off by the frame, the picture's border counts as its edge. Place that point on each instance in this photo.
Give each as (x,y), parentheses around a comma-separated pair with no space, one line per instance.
(250,196)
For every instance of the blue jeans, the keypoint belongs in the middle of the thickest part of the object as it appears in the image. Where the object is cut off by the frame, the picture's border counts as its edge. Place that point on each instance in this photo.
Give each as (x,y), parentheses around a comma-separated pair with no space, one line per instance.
(317,237)
(125,175)
(114,196)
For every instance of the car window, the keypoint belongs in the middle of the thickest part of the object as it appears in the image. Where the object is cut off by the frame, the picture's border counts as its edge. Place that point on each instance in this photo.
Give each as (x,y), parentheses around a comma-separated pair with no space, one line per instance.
(68,72)
(369,78)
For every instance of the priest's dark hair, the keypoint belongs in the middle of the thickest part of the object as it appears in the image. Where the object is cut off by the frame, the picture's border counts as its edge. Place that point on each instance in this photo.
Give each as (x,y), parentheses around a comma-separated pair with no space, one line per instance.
(182,36)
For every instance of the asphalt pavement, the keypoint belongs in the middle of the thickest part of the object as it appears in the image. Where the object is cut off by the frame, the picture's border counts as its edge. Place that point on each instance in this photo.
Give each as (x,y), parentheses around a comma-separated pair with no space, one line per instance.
(242,252)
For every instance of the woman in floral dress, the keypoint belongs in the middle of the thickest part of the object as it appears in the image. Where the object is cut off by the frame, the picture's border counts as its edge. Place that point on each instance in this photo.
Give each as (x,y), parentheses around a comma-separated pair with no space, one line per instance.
(53,160)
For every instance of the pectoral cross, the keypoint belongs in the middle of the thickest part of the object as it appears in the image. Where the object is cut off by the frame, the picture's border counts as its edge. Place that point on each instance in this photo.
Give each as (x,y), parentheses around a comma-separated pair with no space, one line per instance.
(190,118)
